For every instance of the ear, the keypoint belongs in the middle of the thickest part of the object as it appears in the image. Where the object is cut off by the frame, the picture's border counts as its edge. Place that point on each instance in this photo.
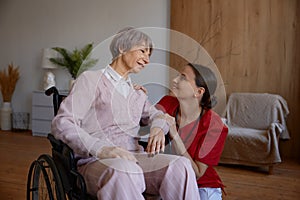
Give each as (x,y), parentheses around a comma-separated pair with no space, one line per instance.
(121,50)
(200,91)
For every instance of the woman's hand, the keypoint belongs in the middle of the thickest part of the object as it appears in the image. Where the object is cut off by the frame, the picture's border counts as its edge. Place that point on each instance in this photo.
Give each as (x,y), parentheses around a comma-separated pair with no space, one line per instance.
(156,141)
(115,152)
(139,87)
(172,124)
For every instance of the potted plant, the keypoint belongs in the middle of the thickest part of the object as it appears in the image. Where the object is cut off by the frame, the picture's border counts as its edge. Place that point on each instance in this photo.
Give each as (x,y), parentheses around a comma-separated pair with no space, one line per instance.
(75,61)
(8,81)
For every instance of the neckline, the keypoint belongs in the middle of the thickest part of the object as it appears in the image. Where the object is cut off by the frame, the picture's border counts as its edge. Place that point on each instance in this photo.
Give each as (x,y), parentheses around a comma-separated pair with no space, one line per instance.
(177,117)
(196,122)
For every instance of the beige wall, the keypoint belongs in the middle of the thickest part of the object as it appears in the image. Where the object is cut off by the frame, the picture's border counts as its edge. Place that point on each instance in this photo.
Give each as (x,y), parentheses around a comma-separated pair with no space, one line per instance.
(26,27)
(255,45)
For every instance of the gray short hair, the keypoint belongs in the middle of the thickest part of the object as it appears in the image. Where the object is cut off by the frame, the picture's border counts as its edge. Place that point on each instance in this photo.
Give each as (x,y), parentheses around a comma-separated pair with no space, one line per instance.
(127,38)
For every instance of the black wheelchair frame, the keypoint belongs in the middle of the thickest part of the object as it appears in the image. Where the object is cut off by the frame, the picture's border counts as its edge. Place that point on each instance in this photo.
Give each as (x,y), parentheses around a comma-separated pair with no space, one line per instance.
(56,177)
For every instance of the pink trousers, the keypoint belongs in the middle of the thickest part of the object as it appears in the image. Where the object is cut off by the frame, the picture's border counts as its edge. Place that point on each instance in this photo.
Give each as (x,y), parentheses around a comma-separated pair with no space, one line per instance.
(172,177)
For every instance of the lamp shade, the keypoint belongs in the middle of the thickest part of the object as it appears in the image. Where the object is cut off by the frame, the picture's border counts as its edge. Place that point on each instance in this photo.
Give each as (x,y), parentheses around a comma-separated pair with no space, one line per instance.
(47,54)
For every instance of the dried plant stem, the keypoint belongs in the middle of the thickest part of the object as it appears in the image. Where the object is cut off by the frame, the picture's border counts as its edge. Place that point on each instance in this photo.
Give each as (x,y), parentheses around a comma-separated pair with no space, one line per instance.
(8,82)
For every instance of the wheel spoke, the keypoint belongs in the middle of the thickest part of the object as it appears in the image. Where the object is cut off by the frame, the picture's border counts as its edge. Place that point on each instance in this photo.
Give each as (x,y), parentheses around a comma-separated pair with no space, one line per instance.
(44,181)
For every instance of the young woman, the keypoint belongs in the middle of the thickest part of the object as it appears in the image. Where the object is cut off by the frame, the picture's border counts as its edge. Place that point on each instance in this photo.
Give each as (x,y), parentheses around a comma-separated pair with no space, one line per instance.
(99,120)
(196,131)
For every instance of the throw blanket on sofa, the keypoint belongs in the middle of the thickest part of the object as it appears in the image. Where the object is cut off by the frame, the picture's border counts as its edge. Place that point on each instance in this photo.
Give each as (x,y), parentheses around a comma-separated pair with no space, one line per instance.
(256,122)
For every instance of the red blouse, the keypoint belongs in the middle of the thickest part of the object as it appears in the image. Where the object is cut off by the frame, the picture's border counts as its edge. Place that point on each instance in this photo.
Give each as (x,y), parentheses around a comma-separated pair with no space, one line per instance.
(204,141)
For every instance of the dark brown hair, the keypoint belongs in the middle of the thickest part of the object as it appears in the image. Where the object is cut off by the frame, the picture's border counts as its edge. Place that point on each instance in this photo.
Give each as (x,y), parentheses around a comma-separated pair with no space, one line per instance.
(204,77)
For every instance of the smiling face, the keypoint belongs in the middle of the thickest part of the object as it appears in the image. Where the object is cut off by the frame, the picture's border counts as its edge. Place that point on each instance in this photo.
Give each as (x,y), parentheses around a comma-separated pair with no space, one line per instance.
(184,86)
(131,50)
(136,58)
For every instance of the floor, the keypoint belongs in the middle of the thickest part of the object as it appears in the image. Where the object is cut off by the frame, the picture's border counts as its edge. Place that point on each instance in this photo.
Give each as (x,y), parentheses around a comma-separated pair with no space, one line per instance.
(19,149)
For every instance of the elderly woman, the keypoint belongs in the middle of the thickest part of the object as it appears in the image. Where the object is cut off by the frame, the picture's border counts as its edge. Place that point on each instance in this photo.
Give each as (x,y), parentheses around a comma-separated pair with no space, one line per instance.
(99,120)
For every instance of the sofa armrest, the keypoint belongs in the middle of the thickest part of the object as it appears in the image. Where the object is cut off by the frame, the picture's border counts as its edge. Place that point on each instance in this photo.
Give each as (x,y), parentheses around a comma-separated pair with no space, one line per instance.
(277,128)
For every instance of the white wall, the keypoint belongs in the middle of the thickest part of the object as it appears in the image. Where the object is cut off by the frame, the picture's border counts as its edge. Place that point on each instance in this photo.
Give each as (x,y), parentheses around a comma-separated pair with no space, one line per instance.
(28,26)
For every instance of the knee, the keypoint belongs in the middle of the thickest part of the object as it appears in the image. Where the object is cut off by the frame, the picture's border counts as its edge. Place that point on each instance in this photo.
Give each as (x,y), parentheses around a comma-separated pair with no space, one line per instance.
(182,164)
(183,161)
(120,171)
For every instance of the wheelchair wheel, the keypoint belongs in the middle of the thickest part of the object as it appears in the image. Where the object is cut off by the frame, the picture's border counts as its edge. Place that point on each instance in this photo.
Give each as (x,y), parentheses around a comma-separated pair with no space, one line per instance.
(44,181)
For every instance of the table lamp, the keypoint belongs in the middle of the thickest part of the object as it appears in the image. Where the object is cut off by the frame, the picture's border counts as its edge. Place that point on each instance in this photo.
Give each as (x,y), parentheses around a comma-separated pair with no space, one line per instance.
(49,77)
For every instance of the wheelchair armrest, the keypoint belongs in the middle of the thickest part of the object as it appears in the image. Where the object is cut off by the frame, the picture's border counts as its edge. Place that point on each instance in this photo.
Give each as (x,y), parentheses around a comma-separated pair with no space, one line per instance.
(56,144)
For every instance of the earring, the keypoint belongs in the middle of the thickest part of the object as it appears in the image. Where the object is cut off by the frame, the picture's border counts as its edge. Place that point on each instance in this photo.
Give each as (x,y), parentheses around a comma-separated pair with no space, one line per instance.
(195,95)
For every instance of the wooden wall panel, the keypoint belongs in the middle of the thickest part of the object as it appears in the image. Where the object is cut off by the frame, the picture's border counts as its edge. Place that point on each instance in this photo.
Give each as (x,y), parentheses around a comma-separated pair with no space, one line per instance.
(255,45)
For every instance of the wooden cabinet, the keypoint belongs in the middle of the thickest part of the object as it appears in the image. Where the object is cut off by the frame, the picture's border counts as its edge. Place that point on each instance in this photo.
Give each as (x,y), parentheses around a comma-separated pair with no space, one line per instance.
(42,113)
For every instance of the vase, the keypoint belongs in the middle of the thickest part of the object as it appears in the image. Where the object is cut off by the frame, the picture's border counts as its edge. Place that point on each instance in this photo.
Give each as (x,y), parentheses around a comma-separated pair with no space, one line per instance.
(6,116)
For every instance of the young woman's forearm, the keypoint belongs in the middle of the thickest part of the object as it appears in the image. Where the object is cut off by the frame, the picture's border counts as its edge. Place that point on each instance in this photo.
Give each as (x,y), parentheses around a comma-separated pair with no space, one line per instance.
(180,149)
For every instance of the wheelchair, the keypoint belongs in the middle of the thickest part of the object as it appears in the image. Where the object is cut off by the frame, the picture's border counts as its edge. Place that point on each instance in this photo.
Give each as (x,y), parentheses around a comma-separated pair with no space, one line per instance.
(56,177)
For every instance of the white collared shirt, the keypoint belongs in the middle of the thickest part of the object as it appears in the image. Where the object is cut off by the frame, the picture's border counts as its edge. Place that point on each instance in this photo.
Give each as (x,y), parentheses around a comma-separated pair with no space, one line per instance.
(120,84)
